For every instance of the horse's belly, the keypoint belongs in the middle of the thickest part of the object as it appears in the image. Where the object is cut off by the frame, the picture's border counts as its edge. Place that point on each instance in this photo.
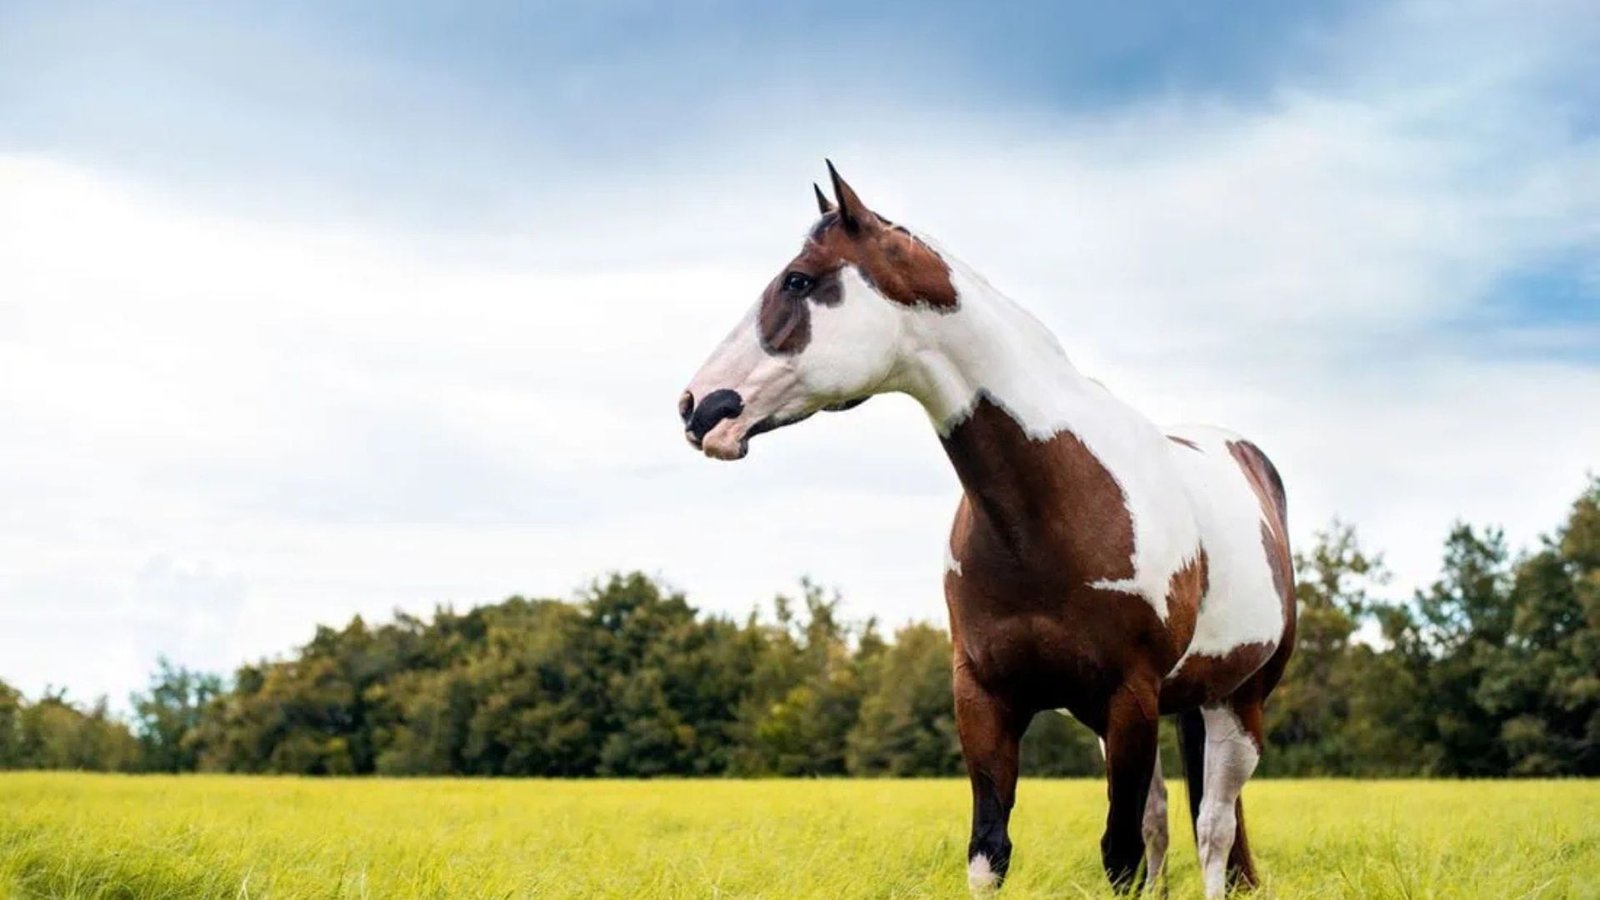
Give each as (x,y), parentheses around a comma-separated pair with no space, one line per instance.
(1050,645)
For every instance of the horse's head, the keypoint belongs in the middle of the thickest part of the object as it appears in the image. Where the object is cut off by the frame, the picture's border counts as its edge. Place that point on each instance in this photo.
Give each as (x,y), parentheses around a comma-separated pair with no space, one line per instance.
(832,329)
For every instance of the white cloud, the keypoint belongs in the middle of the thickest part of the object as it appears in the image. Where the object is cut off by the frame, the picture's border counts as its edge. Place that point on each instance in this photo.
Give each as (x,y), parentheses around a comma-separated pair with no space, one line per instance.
(219,431)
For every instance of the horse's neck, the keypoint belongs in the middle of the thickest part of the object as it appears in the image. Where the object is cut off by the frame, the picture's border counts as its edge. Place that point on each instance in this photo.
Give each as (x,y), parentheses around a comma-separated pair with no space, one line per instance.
(1005,399)
(991,348)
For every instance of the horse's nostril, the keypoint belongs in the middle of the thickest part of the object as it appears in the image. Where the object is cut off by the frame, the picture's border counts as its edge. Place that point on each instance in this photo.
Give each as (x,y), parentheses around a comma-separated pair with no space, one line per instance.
(685,406)
(717,405)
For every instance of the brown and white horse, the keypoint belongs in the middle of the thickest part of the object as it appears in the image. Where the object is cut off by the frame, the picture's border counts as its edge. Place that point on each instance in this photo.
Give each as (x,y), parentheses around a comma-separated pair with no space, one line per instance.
(1097,564)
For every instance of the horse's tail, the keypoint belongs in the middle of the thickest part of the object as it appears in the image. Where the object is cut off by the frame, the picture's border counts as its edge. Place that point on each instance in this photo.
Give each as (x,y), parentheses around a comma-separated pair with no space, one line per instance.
(1192,751)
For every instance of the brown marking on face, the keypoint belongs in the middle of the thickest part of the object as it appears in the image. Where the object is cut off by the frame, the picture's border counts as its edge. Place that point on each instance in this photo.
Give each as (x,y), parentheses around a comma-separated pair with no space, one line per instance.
(784,319)
(892,259)
(1184,441)
(888,257)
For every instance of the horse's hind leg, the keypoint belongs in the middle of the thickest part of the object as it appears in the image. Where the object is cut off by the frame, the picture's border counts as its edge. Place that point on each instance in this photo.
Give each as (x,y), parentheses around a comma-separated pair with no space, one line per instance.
(1232,749)
(1155,828)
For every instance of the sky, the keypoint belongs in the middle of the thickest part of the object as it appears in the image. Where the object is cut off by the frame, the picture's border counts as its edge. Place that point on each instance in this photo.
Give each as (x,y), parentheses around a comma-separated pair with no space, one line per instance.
(313,310)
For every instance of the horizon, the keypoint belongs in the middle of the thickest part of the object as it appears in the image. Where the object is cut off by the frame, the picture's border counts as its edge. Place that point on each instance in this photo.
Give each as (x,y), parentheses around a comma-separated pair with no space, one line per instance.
(304,316)
(1373,586)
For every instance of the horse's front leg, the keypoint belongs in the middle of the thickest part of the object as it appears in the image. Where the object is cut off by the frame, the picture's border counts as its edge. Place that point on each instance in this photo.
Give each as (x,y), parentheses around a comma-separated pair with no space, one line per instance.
(990,731)
(1132,724)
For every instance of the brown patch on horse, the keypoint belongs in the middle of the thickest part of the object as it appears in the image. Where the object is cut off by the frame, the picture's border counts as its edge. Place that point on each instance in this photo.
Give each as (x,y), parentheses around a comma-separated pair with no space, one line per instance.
(1206,678)
(1264,480)
(784,323)
(1277,550)
(1184,441)
(1052,504)
(1040,523)
(1185,589)
(890,258)
(784,318)
(991,733)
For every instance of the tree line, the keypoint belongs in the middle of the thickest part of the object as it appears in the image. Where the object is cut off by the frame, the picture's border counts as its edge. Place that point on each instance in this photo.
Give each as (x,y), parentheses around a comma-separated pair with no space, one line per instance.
(1493,670)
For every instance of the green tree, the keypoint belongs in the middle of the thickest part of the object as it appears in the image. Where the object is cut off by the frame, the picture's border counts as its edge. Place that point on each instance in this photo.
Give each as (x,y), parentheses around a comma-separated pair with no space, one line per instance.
(805,690)
(1329,714)
(54,734)
(906,725)
(1451,639)
(1542,683)
(168,715)
(10,727)
(1490,671)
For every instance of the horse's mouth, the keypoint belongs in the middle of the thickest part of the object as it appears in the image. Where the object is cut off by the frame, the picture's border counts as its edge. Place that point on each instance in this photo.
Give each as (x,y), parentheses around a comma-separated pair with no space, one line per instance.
(843,405)
(727,443)
(772,423)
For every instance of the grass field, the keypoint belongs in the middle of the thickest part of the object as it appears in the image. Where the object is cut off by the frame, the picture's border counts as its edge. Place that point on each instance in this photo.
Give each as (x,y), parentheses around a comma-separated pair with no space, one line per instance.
(70,835)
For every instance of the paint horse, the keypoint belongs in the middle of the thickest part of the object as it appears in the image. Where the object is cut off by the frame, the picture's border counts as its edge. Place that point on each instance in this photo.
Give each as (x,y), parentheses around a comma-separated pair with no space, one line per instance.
(1097,564)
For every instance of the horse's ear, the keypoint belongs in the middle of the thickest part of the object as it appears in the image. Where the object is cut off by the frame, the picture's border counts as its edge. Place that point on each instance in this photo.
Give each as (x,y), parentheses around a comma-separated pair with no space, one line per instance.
(852,212)
(824,205)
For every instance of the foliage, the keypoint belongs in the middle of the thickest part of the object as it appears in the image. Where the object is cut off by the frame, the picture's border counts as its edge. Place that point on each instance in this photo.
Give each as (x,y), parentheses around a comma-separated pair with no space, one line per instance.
(55,734)
(1493,670)
(168,714)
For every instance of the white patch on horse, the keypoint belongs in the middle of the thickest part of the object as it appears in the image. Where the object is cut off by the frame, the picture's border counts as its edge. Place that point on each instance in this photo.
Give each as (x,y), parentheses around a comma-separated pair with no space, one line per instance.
(854,343)
(1242,605)
(981,877)
(1230,758)
(951,564)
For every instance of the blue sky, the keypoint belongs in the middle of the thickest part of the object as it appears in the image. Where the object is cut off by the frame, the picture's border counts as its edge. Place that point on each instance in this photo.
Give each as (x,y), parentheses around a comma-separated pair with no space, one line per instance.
(309,310)
(437,102)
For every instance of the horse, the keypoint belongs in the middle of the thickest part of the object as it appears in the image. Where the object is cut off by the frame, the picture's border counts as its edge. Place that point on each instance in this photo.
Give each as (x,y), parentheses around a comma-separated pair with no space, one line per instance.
(1098,565)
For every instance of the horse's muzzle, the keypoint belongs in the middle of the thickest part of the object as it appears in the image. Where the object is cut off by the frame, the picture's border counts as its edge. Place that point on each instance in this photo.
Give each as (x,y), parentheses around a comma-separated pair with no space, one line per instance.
(699,419)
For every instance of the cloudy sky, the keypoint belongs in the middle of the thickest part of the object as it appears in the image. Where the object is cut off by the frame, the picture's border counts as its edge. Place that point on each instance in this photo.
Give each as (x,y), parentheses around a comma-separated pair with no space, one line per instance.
(308,312)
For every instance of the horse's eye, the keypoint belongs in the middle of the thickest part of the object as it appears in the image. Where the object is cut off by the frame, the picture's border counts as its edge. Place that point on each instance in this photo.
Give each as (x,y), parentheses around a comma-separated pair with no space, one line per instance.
(797,282)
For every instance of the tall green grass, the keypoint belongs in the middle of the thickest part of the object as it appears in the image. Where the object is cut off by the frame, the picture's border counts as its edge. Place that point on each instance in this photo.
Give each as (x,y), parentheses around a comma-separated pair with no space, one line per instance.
(71,835)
